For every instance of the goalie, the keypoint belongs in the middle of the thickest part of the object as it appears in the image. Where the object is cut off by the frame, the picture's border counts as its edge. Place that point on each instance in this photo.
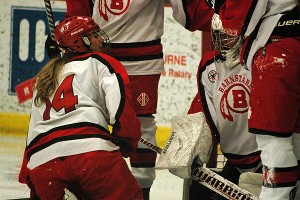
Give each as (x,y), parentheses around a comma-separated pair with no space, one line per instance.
(223,96)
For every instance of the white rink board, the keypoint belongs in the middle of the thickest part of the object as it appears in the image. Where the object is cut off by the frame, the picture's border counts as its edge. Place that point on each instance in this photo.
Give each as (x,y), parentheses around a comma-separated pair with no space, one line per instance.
(178,84)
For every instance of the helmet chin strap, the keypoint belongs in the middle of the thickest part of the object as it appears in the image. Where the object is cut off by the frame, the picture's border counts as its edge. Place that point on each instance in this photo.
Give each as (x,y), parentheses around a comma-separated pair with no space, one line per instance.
(231,59)
(87,43)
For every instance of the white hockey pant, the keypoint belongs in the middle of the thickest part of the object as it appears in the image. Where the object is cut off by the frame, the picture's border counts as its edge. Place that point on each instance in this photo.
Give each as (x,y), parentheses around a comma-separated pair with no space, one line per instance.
(146,176)
(276,152)
(296,145)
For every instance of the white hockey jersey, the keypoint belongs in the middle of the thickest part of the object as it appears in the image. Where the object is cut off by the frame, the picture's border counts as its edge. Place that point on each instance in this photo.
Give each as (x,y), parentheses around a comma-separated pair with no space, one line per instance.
(93,92)
(224,94)
(134,29)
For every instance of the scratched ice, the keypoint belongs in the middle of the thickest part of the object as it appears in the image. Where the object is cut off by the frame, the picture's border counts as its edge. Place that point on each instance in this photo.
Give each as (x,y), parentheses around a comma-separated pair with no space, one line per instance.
(166,186)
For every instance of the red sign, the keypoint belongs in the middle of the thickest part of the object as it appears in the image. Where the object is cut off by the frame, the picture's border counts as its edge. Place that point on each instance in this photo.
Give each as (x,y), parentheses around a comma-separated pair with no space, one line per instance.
(24,90)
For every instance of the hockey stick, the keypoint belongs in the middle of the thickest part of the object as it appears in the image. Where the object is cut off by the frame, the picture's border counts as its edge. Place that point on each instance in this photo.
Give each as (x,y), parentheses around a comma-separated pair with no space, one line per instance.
(50,17)
(211,179)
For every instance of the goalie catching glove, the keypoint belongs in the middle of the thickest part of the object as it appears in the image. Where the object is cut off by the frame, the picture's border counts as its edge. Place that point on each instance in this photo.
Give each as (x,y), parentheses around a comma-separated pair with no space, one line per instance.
(190,141)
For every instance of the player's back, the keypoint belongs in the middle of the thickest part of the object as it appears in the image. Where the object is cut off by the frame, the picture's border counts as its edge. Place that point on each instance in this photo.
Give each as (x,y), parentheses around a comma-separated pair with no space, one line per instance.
(76,112)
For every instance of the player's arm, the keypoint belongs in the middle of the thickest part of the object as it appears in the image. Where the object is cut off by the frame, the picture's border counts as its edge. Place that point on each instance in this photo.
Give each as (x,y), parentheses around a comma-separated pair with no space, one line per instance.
(193,15)
(117,91)
(79,8)
(236,15)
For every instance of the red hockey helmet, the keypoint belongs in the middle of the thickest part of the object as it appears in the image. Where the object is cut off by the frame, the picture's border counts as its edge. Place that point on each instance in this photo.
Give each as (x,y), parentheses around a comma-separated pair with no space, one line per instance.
(72,34)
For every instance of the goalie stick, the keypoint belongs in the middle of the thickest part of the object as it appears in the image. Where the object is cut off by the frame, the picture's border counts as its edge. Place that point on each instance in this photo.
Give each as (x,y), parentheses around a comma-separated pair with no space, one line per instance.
(211,179)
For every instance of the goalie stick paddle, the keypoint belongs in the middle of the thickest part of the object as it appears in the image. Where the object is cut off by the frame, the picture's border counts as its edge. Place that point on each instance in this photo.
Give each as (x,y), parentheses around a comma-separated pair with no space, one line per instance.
(211,179)
(50,17)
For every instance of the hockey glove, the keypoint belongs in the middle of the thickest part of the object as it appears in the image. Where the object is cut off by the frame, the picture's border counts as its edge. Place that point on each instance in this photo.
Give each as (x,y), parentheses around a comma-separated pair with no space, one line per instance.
(51,48)
(215,4)
(123,143)
(125,147)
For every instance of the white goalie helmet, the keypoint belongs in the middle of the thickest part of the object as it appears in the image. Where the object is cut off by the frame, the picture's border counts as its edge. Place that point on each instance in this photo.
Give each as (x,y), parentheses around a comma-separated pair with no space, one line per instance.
(228,45)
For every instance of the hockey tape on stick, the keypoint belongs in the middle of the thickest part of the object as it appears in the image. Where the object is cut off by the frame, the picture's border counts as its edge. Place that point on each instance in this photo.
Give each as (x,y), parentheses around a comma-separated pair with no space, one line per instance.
(50,17)
(211,179)
(151,146)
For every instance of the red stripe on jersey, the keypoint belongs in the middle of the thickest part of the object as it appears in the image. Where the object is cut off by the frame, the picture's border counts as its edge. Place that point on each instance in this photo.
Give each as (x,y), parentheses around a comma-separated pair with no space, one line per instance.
(245,160)
(48,138)
(136,51)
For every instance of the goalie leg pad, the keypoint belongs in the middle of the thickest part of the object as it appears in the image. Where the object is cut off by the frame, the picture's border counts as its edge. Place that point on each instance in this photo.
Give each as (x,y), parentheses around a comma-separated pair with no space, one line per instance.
(252,182)
(189,141)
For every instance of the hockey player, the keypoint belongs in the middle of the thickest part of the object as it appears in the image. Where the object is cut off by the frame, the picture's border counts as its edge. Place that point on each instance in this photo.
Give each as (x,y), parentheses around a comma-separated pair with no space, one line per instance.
(76,97)
(134,29)
(272,53)
(223,95)
(242,157)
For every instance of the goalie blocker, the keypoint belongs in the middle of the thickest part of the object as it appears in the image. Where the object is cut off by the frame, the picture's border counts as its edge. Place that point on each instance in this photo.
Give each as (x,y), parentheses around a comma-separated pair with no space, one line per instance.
(190,141)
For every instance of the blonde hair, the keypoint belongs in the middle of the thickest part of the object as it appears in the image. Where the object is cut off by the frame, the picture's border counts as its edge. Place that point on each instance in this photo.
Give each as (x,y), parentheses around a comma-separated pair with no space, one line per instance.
(47,79)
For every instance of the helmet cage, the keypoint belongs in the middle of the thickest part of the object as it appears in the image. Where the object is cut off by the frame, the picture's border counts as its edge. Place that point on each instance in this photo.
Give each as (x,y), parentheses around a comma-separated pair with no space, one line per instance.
(97,33)
(223,42)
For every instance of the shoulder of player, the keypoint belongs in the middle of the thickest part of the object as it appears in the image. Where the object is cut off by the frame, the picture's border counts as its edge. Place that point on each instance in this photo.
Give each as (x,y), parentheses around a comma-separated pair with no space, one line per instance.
(96,55)
(209,58)
(109,61)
